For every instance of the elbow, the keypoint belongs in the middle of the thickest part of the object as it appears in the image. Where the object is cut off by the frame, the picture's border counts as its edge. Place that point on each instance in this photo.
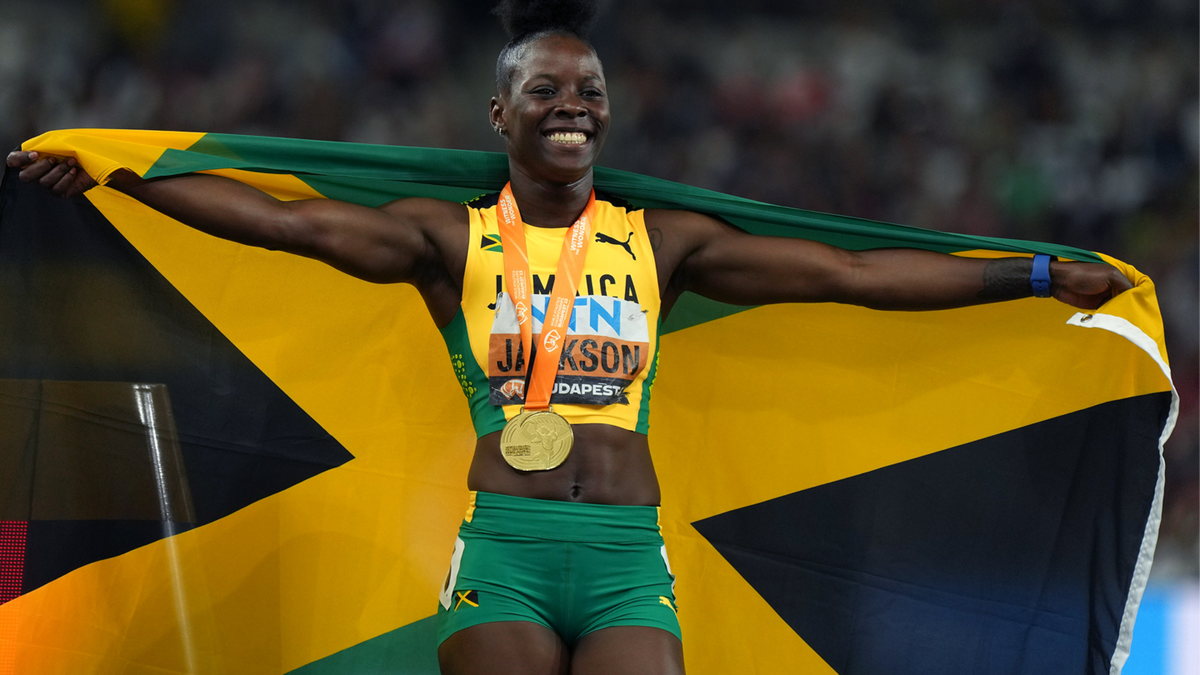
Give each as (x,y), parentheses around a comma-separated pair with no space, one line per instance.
(848,280)
(857,281)
(291,229)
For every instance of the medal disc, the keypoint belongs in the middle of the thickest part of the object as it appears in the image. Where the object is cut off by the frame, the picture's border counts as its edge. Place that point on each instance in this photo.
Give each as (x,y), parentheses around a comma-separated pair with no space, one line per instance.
(536,440)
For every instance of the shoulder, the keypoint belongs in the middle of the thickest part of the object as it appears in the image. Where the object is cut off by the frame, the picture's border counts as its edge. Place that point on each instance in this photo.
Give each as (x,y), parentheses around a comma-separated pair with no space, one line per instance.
(685,221)
(443,223)
(677,237)
(686,230)
(484,201)
(443,227)
(615,201)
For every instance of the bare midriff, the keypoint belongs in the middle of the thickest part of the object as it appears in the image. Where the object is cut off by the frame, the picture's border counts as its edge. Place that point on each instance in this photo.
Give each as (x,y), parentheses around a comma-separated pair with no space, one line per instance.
(607,465)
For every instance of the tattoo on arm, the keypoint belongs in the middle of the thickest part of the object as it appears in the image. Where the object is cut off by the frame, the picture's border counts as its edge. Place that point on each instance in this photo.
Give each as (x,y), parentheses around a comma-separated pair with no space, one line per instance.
(1007,279)
(655,238)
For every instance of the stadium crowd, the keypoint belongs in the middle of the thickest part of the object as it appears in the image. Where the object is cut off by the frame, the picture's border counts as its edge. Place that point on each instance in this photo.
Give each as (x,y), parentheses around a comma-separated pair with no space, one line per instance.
(1057,120)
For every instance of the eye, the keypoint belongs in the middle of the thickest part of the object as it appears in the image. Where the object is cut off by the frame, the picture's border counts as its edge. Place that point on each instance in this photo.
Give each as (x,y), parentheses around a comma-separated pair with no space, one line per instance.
(592,93)
(543,90)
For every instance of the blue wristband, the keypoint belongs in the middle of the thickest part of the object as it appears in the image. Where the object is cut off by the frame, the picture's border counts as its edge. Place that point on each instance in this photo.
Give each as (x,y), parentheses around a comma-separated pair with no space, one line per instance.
(1040,279)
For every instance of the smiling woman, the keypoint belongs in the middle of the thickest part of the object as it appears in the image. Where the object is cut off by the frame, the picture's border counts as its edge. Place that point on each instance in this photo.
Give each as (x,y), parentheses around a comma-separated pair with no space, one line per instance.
(559,565)
(561,586)
(551,104)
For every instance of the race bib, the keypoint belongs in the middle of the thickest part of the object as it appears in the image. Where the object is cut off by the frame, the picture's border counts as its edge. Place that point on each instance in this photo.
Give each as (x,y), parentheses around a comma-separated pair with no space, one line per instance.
(606,346)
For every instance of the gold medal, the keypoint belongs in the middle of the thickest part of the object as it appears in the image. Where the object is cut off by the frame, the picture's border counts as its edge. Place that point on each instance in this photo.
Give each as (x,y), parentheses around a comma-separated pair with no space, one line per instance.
(536,440)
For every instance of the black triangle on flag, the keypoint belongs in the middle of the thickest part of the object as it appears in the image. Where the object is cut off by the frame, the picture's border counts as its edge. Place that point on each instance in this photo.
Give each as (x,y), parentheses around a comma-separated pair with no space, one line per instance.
(125,415)
(1004,555)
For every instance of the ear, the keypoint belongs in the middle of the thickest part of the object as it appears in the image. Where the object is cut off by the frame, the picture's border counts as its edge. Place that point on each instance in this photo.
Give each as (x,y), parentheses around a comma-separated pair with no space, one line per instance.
(496,114)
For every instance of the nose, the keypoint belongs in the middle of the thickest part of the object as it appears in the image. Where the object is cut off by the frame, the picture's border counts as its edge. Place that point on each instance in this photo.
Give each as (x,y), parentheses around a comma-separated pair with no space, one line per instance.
(570,108)
(570,112)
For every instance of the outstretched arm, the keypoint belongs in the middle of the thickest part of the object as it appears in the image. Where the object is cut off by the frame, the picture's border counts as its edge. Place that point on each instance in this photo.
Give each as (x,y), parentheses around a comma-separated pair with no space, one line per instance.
(399,242)
(710,258)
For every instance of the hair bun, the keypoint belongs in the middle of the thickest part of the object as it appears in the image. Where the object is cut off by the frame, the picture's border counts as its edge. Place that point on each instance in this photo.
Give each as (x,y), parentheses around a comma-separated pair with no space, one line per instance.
(522,18)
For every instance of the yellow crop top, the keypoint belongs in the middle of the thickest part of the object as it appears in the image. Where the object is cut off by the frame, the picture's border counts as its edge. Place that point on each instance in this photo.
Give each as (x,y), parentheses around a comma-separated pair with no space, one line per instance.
(610,356)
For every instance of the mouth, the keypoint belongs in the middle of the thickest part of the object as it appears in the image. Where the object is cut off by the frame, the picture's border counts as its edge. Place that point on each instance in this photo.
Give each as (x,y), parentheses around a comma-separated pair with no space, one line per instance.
(568,138)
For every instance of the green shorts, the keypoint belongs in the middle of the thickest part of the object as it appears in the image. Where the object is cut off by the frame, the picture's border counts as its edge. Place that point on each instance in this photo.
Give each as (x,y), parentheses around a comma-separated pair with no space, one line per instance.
(574,568)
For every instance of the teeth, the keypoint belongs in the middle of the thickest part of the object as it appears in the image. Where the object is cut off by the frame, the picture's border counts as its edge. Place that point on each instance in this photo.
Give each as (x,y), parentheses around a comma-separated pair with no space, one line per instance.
(568,137)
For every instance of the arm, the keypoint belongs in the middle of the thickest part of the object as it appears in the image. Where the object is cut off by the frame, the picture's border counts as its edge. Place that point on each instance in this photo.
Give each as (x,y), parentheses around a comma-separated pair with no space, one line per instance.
(717,261)
(399,242)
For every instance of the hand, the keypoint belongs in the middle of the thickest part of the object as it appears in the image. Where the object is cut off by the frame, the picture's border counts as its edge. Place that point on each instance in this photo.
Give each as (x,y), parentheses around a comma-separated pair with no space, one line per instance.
(63,176)
(1086,285)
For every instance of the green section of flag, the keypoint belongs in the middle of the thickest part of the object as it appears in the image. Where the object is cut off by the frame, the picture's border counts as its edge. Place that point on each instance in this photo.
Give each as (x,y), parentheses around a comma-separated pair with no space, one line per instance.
(210,144)
(692,310)
(408,650)
(483,171)
(431,171)
(377,192)
(373,175)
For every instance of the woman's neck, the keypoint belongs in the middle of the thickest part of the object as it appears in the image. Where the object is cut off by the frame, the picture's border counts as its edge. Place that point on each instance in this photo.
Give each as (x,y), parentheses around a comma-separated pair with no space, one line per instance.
(545,204)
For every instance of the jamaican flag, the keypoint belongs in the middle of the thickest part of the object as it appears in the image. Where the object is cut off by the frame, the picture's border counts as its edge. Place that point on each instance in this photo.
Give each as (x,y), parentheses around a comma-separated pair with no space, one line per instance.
(220,459)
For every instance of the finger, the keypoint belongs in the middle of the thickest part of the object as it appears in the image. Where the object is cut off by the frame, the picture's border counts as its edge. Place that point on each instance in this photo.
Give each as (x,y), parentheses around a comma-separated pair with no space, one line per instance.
(53,175)
(82,183)
(19,158)
(1121,283)
(36,170)
(64,184)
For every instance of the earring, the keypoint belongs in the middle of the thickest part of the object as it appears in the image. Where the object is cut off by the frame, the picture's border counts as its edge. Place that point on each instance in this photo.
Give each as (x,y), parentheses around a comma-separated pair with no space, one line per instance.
(500,130)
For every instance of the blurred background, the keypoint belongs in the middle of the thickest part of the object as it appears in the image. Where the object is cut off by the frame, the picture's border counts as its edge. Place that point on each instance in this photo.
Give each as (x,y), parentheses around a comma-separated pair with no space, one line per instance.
(1073,121)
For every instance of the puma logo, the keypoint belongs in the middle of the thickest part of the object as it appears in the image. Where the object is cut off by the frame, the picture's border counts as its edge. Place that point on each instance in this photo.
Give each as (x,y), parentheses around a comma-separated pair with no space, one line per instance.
(605,239)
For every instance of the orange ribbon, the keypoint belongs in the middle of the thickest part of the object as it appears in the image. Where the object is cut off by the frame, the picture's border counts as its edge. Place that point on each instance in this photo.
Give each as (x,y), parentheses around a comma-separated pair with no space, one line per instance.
(562,296)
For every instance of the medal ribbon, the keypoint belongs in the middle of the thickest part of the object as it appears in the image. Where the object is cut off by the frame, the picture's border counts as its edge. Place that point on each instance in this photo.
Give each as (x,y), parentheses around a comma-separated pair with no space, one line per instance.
(562,297)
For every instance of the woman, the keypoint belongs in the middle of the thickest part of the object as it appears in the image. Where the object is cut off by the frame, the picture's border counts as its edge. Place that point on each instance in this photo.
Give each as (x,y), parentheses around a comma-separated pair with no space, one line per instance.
(559,566)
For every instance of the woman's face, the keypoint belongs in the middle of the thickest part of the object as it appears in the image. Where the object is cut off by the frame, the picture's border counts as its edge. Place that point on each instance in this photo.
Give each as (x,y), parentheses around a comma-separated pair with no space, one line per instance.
(555,113)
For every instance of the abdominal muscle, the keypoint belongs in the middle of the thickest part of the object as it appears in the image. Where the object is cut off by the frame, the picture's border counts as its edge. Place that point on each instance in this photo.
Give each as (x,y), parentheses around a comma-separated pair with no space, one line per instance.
(607,465)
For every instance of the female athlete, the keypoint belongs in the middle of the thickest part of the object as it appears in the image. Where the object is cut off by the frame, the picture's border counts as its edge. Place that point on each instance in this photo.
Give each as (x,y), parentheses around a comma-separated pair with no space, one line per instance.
(559,566)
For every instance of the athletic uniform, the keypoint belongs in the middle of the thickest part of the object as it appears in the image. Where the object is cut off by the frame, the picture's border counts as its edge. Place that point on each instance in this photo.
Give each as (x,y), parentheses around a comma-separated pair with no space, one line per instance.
(574,568)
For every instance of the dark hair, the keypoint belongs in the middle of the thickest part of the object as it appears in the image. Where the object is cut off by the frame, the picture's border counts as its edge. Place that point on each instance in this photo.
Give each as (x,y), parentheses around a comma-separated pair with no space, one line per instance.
(527,21)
